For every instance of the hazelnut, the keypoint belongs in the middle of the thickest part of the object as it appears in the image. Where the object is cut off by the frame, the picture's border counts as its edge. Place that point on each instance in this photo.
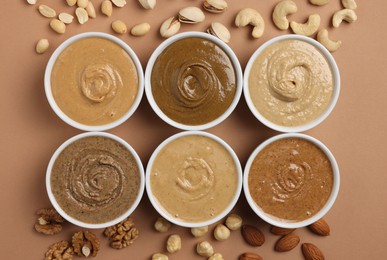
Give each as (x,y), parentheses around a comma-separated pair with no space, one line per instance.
(162,225)
(204,249)
(173,243)
(216,256)
(199,231)
(233,221)
(221,232)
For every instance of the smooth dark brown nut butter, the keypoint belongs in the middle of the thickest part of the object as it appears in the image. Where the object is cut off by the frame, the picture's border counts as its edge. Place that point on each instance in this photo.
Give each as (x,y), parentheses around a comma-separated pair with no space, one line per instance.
(193,81)
(291,179)
(95,179)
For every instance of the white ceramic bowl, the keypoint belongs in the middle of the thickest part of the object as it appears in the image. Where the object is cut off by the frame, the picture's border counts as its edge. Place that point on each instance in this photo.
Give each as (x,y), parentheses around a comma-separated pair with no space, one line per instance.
(336,84)
(66,118)
(286,224)
(161,48)
(78,222)
(167,215)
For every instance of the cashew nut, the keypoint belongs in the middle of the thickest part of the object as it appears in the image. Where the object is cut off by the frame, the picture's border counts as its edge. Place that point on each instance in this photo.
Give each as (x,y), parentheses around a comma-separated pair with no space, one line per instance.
(318,2)
(308,28)
(249,16)
(349,4)
(323,38)
(281,10)
(347,15)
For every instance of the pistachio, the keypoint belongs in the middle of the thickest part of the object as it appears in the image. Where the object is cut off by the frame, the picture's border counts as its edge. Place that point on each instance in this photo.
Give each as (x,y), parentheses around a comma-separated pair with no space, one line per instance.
(148,4)
(41,47)
(220,31)
(191,14)
(82,15)
(46,11)
(215,6)
(119,3)
(107,8)
(140,29)
(169,27)
(91,10)
(71,2)
(82,3)
(32,2)
(58,26)
(119,27)
(66,18)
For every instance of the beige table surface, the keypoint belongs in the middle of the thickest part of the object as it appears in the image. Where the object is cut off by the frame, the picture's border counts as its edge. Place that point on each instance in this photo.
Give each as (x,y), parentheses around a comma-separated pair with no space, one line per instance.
(355,131)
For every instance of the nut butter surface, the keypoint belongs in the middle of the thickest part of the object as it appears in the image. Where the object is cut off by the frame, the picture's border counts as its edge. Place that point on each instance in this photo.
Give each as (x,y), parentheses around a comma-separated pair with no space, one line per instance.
(193,81)
(291,179)
(94,81)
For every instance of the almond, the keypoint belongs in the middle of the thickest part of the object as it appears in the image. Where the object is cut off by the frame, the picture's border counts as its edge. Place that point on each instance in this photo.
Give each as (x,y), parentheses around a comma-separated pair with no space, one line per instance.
(281,231)
(252,235)
(311,252)
(320,227)
(287,242)
(250,256)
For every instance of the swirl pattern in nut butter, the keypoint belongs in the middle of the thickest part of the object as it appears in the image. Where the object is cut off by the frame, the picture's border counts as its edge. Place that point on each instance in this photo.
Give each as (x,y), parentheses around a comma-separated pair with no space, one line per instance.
(193,81)
(95,179)
(291,83)
(193,178)
(291,179)
(94,81)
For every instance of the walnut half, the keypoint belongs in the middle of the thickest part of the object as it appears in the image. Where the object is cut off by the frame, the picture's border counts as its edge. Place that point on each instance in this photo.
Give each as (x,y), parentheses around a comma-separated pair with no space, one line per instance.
(122,234)
(49,221)
(85,243)
(59,251)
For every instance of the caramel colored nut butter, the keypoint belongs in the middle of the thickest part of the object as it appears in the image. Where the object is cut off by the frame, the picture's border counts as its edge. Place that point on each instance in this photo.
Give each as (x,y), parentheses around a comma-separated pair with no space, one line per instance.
(94,81)
(291,179)
(291,83)
(193,178)
(193,81)
(95,179)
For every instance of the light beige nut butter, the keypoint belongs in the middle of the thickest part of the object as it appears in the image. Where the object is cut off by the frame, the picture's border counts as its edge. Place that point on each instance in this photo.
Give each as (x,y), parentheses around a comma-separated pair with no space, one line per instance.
(95,179)
(291,83)
(193,81)
(291,179)
(94,81)
(193,178)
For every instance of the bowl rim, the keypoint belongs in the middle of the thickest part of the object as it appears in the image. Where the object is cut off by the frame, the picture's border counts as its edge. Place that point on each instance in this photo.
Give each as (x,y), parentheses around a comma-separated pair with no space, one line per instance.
(336,84)
(163,212)
(76,221)
(64,116)
(273,220)
(238,74)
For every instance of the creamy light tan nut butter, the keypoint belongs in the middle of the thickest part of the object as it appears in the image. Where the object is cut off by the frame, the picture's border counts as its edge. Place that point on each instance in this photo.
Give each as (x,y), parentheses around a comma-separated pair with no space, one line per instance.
(291,179)
(193,178)
(95,179)
(94,81)
(193,81)
(291,83)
